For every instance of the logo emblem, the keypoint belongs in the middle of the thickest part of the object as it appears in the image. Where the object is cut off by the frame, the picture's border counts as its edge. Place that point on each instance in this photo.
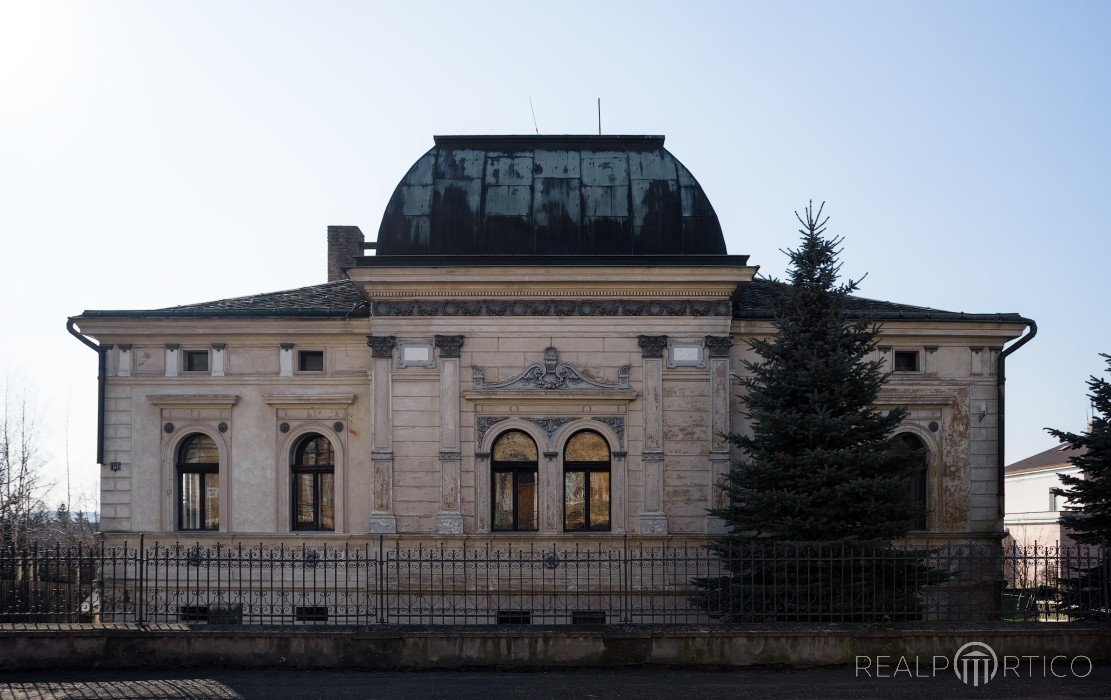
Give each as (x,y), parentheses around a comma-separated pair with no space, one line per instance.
(975,664)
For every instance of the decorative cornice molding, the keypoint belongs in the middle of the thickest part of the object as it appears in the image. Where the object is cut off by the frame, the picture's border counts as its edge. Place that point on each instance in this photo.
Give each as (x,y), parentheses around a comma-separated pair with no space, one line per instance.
(652,345)
(309,399)
(551,374)
(448,294)
(551,307)
(449,345)
(381,345)
(193,399)
(719,345)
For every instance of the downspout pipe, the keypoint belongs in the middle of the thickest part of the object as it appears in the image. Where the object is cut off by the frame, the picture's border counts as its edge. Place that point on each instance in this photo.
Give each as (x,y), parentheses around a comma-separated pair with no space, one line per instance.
(100,378)
(1000,382)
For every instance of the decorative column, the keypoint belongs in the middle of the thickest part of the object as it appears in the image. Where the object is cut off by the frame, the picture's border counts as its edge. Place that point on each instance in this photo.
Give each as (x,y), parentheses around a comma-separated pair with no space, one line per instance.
(171,359)
(550,502)
(218,359)
(382,518)
(652,520)
(717,347)
(449,521)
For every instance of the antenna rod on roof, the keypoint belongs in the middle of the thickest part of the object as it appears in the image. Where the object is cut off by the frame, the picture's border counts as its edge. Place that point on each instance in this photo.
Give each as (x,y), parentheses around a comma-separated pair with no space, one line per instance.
(599,116)
(533,110)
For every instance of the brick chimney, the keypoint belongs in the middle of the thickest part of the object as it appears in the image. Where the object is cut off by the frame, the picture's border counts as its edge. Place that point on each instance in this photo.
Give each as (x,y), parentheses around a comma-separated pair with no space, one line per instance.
(345,243)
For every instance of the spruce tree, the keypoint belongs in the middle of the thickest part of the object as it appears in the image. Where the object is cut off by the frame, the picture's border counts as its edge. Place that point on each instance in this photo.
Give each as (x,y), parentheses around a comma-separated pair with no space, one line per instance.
(1088,517)
(817,479)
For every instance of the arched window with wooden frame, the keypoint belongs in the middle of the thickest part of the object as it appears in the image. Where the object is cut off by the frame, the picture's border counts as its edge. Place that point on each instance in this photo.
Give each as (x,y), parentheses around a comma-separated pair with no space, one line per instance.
(314,484)
(914,452)
(198,483)
(586,483)
(514,467)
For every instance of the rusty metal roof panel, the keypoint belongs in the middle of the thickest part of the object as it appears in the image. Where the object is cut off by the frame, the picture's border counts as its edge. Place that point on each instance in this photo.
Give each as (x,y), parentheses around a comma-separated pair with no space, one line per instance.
(549,195)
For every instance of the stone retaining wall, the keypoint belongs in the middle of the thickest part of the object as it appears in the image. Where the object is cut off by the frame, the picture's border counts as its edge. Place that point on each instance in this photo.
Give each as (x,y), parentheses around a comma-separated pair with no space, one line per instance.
(88,646)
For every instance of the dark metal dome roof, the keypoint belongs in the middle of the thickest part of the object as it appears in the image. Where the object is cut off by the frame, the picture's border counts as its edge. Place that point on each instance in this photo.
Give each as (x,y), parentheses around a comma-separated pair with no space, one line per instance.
(549,195)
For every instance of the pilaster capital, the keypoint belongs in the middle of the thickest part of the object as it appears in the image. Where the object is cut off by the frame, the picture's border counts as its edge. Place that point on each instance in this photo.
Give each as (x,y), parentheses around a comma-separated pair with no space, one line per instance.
(449,345)
(719,345)
(381,345)
(652,345)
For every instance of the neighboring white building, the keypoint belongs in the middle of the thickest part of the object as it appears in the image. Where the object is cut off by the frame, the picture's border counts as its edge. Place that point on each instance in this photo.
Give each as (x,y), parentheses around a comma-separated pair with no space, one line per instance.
(543,348)
(1033,511)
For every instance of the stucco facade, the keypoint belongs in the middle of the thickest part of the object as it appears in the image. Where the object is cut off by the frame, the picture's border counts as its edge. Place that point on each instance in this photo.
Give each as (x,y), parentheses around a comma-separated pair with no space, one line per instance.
(429,356)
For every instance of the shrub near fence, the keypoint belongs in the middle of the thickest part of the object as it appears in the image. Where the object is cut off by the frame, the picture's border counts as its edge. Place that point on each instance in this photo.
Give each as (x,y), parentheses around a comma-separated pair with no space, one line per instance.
(619,581)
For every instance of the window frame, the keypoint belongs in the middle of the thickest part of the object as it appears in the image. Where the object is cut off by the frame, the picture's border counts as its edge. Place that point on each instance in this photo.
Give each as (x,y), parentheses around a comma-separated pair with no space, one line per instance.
(317,471)
(300,352)
(906,351)
(923,476)
(515,467)
(187,352)
(587,468)
(181,468)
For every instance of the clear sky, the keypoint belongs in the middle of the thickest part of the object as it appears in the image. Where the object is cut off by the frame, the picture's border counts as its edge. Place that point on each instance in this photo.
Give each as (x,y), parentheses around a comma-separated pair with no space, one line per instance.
(157,153)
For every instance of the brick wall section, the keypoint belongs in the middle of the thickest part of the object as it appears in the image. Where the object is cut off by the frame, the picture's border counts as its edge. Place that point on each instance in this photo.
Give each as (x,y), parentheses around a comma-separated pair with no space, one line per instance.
(345,243)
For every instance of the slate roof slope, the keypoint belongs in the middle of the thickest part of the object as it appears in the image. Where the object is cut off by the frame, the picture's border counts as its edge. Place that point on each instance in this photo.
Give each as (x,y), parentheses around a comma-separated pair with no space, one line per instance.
(343,298)
(549,195)
(754,299)
(1053,457)
(330,300)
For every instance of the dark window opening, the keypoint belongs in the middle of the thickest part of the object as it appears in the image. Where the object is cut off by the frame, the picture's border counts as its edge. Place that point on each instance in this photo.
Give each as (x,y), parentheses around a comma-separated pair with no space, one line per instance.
(588,617)
(915,457)
(906,361)
(193,613)
(310,360)
(198,469)
(514,617)
(314,484)
(586,483)
(514,475)
(311,613)
(196,360)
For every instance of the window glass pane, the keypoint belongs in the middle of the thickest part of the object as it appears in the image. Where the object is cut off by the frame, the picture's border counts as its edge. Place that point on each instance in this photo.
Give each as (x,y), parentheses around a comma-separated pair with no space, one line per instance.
(311,360)
(574,500)
(316,451)
(526,500)
(302,501)
(190,501)
(514,446)
(503,500)
(212,501)
(327,501)
(599,500)
(587,447)
(200,449)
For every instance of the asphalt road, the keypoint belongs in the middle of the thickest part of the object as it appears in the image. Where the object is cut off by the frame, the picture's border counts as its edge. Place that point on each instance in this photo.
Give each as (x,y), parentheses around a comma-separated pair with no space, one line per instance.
(487,685)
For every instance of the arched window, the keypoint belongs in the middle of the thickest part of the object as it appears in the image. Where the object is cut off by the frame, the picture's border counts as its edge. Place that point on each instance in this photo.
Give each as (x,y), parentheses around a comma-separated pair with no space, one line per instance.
(198,483)
(586,482)
(914,451)
(314,484)
(513,470)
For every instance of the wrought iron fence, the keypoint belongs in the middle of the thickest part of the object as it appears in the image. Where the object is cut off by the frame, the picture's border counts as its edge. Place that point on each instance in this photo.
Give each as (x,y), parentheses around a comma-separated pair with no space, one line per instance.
(620,581)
